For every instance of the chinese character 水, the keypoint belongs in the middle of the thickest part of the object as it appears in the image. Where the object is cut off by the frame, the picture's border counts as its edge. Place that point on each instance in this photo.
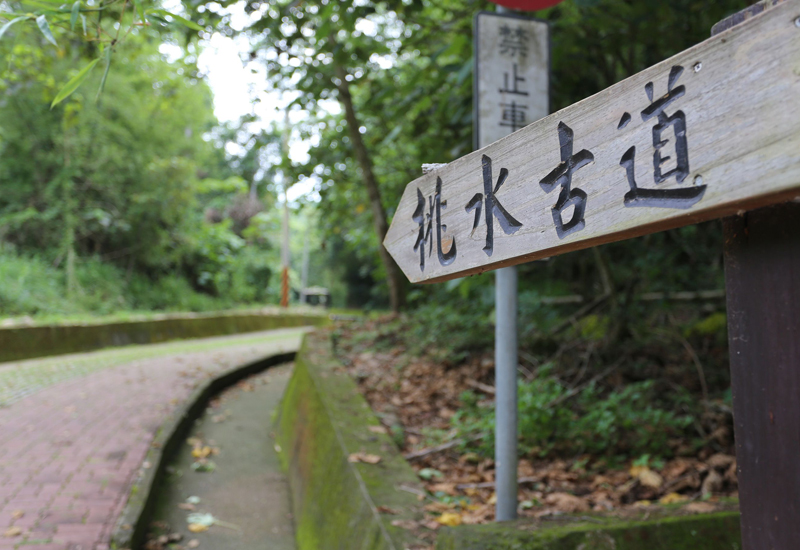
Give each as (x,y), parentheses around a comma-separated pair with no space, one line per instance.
(426,223)
(493,207)
(562,175)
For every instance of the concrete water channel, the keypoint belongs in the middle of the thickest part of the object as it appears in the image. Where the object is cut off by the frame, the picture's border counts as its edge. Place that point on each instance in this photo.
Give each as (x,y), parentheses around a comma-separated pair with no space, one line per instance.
(246,490)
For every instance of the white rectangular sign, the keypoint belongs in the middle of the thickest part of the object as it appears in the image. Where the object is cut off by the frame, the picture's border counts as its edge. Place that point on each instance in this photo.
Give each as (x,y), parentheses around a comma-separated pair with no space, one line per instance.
(512,65)
(709,132)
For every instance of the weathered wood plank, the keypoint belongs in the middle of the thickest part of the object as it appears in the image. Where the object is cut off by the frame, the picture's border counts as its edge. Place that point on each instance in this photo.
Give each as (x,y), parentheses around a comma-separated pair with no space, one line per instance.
(762,271)
(739,93)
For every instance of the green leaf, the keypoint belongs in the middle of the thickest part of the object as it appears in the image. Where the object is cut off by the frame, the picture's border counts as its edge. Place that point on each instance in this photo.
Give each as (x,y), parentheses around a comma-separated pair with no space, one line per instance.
(140,10)
(182,20)
(73,83)
(76,11)
(83,22)
(5,27)
(105,73)
(41,21)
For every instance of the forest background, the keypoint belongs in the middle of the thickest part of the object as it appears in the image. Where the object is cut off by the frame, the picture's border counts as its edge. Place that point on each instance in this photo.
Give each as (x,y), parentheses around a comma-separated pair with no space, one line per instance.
(136,198)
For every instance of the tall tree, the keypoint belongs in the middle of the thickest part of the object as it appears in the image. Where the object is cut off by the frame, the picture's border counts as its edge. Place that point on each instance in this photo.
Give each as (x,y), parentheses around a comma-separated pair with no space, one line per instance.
(321,51)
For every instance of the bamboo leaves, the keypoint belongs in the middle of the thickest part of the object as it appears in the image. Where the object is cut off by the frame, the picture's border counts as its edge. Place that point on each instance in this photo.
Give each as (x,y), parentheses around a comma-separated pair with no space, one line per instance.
(41,22)
(73,83)
(8,25)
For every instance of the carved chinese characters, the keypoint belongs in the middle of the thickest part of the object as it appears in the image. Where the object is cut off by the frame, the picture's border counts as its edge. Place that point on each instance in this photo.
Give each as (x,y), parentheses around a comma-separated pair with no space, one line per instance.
(709,133)
(670,148)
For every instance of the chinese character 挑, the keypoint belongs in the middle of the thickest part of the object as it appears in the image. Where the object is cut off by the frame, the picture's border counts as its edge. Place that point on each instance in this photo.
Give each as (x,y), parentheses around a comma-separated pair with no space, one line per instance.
(493,207)
(685,197)
(562,175)
(435,207)
(513,41)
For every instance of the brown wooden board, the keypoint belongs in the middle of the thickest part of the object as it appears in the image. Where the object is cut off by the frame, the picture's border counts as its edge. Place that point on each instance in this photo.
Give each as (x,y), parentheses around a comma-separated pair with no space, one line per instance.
(707,133)
(762,271)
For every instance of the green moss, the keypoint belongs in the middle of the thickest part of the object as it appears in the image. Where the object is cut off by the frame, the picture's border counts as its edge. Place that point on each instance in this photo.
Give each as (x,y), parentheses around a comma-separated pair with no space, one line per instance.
(18,343)
(715,323)
(703,532)
(322,420)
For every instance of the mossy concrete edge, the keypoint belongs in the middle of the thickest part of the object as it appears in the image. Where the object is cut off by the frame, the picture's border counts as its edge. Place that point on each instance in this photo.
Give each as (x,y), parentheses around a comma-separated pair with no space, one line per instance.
(322,420)
(131,527)
(716,531)
(18,343)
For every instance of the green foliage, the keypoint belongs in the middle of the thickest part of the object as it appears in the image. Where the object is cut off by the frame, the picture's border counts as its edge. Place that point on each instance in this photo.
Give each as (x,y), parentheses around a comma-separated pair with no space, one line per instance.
(449,333)
(30,285)
(633,420)
(108,22)
(714,324)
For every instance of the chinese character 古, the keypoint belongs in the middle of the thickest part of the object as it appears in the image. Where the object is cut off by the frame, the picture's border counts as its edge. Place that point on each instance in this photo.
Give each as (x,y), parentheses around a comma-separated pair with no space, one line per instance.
(663,198)
(425,222)
(562,175)
(493,207)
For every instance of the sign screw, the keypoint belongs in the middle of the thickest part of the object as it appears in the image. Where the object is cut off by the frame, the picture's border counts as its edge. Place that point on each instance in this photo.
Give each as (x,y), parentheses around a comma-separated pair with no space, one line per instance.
(698,66)
(797,22)
(698,180)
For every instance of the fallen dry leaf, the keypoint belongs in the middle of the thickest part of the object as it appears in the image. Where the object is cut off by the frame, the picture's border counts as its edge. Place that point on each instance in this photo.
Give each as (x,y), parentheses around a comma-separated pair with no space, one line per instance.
(201,452)
(567,503)
(194,543)
(647,477)
(17,514)
(720,461)
(387,510)
(405,523)
(186,506)
(672,498)
(378,429)
(451,519)
(712,483)
(363,457)
(12,532)
(699,507)
(198,528)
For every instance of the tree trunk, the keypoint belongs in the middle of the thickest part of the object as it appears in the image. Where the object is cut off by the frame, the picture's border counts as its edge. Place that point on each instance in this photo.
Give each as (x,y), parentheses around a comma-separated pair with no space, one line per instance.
(394,276)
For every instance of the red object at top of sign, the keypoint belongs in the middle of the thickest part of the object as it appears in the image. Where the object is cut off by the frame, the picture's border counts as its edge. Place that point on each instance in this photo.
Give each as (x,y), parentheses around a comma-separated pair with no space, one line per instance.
(526,5)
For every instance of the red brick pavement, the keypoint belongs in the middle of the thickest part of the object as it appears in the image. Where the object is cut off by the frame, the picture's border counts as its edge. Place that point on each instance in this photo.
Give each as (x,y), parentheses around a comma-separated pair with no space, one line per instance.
(69,453)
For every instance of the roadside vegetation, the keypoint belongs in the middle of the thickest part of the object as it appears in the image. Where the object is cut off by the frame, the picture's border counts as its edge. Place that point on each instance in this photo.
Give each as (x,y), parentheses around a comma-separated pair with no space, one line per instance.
(606,422)
(138,199)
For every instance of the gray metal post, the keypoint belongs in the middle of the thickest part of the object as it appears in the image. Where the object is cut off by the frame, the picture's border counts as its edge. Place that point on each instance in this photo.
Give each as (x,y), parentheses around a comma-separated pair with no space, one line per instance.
(505,368)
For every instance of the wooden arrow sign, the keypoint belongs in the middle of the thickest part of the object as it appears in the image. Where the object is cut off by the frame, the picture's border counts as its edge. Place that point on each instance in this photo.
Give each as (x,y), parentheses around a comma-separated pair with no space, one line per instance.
(713,131)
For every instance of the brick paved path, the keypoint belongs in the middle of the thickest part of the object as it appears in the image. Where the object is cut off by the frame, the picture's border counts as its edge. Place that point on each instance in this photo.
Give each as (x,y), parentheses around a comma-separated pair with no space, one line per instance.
(68,452)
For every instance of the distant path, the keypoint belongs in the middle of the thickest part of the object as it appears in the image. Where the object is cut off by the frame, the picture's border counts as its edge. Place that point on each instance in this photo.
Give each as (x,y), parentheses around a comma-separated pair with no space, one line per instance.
(69,449)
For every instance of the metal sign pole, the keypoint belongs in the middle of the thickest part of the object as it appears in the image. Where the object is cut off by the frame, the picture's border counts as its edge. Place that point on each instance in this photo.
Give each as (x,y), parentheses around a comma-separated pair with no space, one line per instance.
(505,373)
(511,91)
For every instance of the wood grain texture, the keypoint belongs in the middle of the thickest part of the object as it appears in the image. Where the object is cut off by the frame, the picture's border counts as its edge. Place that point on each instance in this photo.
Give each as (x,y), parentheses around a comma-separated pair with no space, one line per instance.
(762,271)
(742,113)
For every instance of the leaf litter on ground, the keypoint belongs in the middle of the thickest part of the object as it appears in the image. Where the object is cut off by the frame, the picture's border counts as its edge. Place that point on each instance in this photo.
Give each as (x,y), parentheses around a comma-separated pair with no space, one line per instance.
(417,397)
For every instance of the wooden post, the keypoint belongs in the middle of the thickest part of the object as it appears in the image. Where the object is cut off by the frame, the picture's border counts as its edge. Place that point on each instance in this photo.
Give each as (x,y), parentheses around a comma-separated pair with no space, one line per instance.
(762,270)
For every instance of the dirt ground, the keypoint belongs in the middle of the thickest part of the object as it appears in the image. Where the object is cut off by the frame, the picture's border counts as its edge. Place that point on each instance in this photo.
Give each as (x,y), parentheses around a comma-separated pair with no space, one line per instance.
(417,397)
